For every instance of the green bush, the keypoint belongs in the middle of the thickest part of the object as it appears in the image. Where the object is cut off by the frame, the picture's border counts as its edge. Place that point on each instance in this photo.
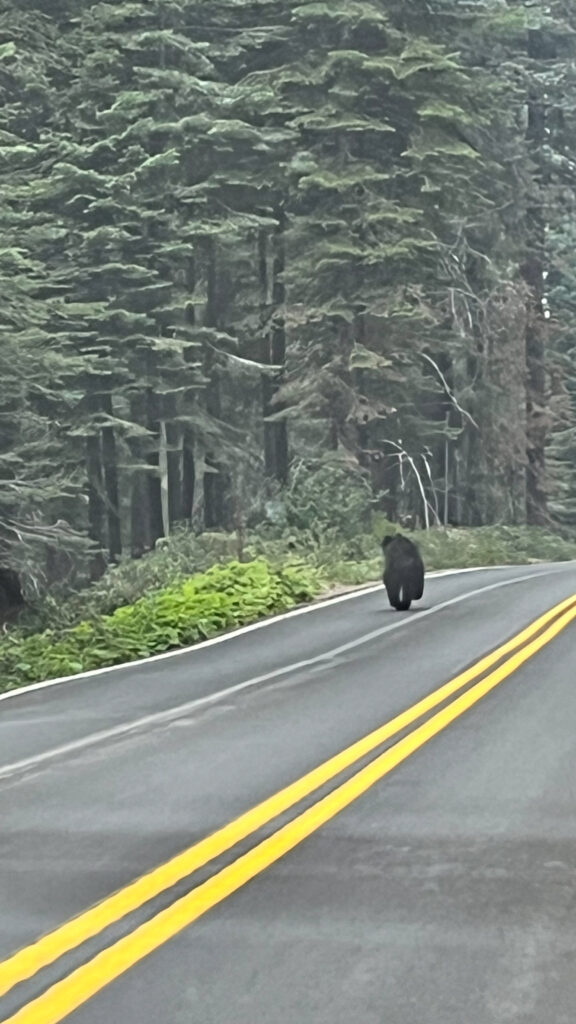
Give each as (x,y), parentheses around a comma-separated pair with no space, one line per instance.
(183,555)
(492,545)
(360,561)
(326,497)
(189,611)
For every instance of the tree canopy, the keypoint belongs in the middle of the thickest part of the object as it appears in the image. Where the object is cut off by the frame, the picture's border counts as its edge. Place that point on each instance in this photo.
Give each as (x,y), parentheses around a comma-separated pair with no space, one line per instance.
(243,233)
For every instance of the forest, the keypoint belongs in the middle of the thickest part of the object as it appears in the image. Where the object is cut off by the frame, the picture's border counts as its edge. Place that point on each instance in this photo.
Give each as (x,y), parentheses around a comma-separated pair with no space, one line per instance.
(253,248)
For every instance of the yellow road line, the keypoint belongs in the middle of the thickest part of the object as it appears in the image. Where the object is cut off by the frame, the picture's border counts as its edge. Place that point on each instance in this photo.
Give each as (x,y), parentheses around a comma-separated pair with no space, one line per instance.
(28,961)
(86,981)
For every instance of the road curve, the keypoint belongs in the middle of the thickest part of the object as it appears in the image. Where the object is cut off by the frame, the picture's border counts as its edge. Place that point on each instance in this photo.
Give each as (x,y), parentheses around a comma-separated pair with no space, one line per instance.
(442,892)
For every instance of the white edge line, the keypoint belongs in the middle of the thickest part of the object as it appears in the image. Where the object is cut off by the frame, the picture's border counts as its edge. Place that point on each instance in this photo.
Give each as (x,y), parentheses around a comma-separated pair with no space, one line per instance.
(171,714)
(232,634)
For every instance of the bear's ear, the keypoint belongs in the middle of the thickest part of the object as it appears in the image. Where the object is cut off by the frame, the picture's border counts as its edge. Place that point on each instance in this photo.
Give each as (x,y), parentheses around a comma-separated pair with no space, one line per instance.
(387,540)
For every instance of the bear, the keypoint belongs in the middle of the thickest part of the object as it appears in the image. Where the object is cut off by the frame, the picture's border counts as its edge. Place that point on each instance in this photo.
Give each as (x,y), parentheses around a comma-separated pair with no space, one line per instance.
(403,572)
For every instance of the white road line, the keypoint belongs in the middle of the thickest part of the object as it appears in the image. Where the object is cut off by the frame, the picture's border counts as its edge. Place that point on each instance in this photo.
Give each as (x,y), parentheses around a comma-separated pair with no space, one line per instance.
(171,714)
(225,637)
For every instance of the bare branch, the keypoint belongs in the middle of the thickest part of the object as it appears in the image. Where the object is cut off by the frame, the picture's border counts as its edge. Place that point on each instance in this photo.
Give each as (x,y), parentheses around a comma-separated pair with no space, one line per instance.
(449,393)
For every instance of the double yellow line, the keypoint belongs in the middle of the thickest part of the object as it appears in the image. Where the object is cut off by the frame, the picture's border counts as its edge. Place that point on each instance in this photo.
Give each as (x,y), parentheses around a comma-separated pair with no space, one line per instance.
(76,988)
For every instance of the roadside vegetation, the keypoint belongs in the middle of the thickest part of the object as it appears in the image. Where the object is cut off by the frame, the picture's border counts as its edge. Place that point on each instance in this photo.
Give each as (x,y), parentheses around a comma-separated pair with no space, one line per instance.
(195,587)
(183,613)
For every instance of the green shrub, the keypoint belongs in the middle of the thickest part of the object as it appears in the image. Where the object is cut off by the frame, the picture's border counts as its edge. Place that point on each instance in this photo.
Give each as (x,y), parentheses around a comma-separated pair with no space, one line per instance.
(492,545)
(188,611)
(183,555)
(329,496)
(361,560)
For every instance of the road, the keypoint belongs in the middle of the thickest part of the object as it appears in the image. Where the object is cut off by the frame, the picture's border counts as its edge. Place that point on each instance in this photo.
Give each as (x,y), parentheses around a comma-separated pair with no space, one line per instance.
(428,876)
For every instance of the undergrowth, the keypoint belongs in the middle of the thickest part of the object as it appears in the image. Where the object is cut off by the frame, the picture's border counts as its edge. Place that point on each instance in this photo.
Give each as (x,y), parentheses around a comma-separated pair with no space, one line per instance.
(193,587)
(189,610)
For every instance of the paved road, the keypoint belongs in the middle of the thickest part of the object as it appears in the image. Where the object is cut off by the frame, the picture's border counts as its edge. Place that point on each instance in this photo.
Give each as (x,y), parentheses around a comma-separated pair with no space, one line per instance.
(445,894)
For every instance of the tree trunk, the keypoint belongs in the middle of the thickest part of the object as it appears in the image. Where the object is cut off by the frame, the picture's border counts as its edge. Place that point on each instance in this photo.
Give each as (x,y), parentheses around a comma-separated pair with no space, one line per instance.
(163,476)
(276,453)
(140,541)
(174,467)
(533,270)
(96,509)
(111,483)
(265,352)
(536,398)
(188,445)
(188,478)
(213,481)
(155,520)
(214,484)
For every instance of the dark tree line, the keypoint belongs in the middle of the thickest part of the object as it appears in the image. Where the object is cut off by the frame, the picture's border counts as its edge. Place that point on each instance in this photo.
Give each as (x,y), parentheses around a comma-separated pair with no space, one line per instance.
(239,233)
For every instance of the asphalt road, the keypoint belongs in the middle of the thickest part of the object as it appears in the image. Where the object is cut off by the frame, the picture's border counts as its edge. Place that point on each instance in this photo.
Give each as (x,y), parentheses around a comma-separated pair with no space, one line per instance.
(445,893)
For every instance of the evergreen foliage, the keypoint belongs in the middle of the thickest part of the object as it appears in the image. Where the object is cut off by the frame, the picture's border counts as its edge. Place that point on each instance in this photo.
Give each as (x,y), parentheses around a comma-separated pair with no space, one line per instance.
(246,236)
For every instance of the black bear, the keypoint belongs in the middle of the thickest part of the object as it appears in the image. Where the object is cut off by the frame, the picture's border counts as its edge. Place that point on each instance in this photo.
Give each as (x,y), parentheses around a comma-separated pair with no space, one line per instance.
(403,572)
